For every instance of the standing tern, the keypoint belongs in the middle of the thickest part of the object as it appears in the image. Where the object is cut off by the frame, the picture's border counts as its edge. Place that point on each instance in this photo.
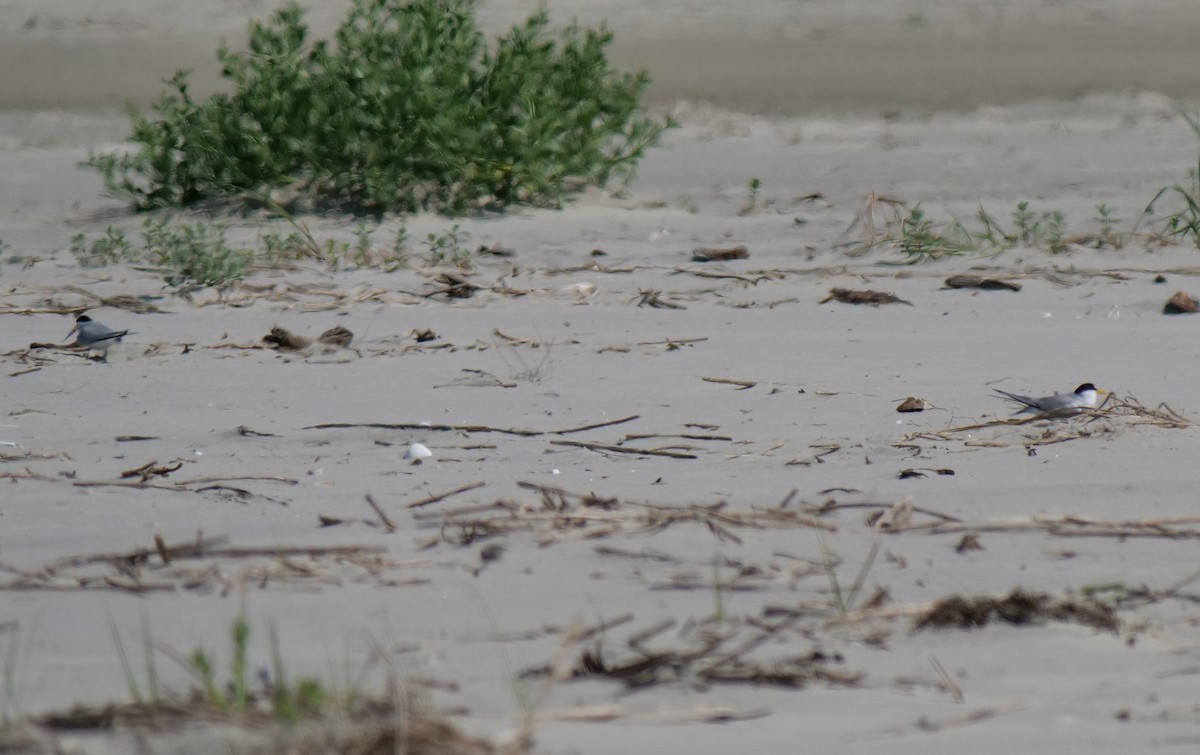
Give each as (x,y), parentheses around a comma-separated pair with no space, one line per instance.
(1082,399)
(95,336)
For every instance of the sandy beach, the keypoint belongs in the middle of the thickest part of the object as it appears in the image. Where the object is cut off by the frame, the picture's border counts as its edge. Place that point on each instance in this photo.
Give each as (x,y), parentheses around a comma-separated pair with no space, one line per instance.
(638,456)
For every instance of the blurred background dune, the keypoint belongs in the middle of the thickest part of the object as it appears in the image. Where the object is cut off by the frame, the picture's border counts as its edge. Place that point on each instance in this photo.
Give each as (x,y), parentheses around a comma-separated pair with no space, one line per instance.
(765,56)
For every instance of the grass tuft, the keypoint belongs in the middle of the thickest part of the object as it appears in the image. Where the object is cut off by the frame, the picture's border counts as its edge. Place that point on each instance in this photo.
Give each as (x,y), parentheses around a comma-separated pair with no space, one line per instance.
(1184,222)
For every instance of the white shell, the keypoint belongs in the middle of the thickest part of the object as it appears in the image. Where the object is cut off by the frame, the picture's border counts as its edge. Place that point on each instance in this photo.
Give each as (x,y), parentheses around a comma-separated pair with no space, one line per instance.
(416,452)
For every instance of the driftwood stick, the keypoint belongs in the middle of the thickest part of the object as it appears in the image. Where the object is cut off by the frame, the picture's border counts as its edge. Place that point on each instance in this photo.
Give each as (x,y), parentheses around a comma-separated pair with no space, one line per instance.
(623,450)
(672,340)
(428,428)
(595,426)
(468,428)
(202,548)
(264,478)
(333,550)
(683,436)
(387,523)
(443,496)
(744,384)
(191,549)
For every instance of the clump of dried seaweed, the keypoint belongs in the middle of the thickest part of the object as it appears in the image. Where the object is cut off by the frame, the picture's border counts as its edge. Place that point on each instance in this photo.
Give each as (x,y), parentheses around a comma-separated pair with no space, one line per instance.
(1018,607)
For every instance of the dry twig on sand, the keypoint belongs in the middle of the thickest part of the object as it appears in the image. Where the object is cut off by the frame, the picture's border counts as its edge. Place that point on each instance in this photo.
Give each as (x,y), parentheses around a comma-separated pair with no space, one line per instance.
(469,428)
(562,515)
(203,564)
(1172,528)
(711,651)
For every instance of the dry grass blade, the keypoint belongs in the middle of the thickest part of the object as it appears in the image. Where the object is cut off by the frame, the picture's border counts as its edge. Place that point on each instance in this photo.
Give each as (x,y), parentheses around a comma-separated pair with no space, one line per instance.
(875,222)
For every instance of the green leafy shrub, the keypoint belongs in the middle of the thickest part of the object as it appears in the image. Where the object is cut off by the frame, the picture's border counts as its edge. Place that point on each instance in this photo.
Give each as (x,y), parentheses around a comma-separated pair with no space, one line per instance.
(407,107)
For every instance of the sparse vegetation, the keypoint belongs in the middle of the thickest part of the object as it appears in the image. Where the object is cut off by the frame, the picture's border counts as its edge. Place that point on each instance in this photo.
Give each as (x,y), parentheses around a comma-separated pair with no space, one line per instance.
(107,250)
(406,107)
(1109,236)
(235,692)
(194,255)
(1184,222)
(890,223)
(449,247)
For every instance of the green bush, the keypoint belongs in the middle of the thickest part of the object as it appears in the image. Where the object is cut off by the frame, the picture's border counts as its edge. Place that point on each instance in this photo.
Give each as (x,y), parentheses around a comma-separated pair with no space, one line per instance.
(406,108)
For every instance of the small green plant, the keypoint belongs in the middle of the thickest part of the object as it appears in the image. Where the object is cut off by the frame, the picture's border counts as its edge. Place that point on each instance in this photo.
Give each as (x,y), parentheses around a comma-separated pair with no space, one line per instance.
(291,703)
(280,250)
(286,701)
(109,249)
(1054,224)
(1184,223)
(195,255)
(406,107)
(361,254)
(921,239)
(400,243)
(1109,236)
(752,190)
(449,247)
(1026,223)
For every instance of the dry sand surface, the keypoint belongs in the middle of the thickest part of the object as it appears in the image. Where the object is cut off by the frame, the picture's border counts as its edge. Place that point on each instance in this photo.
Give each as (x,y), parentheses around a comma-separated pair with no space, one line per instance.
(612,494)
